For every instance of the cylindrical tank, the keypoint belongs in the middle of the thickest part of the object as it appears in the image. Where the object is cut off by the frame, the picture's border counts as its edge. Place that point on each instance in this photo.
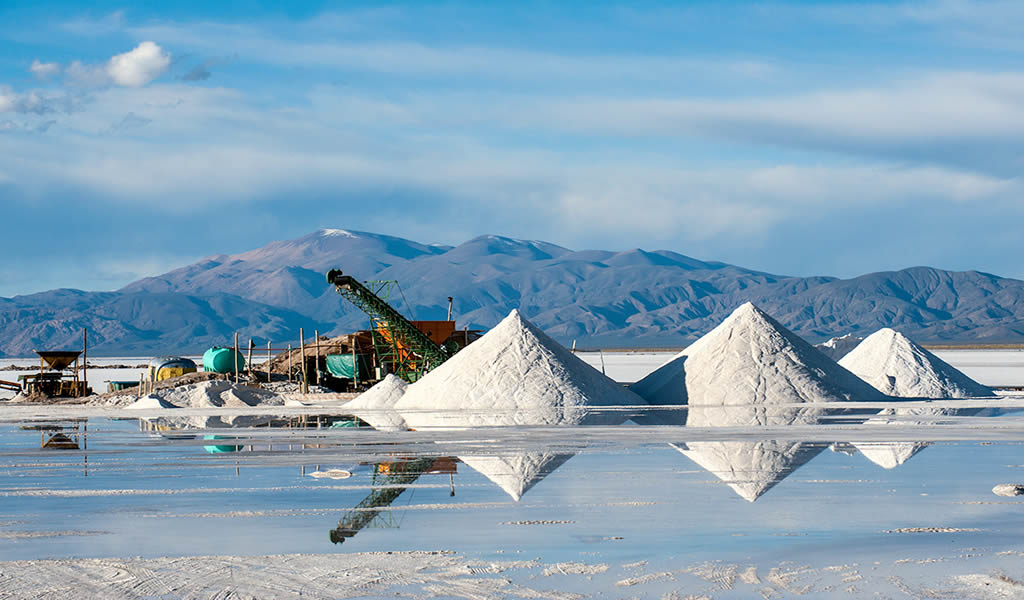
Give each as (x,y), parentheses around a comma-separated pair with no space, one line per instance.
(218,360)
(165,367)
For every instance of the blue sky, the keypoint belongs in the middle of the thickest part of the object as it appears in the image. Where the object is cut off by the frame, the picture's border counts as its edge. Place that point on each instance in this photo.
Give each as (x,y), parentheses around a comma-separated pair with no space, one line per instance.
(801,138)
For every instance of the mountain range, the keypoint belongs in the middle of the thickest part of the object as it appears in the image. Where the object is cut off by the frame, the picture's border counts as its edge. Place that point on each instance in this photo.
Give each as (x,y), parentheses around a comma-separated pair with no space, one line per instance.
(632,298)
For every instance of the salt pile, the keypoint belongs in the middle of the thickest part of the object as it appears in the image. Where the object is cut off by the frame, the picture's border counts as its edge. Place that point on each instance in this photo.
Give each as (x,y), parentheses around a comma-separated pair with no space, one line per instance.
(839,347)
(514,375)
(216,393)
(897,366)
(376,405)
(751,359)
(748,372)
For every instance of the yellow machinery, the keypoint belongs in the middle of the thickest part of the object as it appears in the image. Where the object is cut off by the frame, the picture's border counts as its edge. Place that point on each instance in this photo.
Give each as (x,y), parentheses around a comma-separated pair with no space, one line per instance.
(165,367)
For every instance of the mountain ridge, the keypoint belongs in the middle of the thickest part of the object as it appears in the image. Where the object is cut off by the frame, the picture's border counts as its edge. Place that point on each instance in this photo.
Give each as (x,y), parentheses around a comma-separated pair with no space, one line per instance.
(625,298)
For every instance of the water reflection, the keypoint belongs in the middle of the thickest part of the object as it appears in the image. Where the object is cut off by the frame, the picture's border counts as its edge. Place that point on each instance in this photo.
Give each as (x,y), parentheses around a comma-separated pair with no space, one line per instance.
(390,480)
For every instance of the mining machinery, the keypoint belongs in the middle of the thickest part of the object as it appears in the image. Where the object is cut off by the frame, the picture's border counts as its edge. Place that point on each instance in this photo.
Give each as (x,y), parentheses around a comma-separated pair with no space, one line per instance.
(406,348)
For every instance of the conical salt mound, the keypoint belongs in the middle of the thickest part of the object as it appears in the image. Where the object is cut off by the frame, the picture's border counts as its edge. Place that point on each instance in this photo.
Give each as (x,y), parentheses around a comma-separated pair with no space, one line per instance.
(376,405)
(518,473)
(750,468)
(897,366)
(749,359)
(839,347)
(751,371)
(513,375)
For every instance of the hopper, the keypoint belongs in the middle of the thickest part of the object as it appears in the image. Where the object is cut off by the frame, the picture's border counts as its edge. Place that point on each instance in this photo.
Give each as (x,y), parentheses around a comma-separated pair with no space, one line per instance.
(58,360)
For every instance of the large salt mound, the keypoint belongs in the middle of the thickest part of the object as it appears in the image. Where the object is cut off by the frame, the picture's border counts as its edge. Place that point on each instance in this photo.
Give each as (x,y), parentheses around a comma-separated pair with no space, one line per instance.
(750,371)
(897,366)
(376,405)
(514,375)
(751,359)
(839,347)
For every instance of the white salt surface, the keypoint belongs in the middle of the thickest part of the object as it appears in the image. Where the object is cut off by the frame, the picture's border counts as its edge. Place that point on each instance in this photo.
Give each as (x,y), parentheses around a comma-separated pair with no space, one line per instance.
(897,366)
(149,402)
(376,405)
(839,347)
(514,375)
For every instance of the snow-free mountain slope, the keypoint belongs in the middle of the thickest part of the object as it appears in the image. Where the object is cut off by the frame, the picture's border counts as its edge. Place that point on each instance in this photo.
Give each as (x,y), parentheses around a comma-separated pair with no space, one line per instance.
(598,297)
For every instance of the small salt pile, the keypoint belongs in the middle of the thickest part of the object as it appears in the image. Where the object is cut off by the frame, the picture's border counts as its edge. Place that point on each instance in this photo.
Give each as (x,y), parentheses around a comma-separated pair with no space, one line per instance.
(376,405)
(216,393)
(897,366)
(514,375)
(839,347)
(751,371)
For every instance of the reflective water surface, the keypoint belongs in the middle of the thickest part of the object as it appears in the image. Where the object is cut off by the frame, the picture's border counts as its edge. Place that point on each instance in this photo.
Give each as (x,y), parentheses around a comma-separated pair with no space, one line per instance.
(655,508)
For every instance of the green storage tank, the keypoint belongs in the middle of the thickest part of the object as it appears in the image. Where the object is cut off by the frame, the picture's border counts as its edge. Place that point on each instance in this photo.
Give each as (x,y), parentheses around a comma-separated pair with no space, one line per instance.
(218,360)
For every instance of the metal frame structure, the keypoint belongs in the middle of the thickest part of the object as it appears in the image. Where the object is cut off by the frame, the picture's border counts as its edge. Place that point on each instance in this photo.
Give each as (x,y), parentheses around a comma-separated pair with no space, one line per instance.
(401,348)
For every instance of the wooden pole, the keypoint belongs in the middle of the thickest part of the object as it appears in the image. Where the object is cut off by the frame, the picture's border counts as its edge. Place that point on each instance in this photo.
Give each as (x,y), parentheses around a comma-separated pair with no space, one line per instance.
(355,366)
(268,361)
(316,334)
(289,363)
(85,361)
(251,346)
(235,357)
(302,358)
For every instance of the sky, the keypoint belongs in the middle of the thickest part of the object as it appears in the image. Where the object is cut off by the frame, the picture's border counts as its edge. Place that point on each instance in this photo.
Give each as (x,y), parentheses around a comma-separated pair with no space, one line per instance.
(799,138)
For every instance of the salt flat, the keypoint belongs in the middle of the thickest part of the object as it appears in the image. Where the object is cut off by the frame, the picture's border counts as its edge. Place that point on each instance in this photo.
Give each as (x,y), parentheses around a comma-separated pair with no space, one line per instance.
(623,511)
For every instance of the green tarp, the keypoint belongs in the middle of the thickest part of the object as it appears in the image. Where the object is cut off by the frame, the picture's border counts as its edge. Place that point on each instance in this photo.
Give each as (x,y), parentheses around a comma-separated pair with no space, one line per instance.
(344,366)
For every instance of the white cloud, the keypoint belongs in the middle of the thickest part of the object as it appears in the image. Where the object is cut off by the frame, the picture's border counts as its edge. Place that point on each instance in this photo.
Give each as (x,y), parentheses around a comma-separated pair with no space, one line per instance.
(44,70)
(139,66)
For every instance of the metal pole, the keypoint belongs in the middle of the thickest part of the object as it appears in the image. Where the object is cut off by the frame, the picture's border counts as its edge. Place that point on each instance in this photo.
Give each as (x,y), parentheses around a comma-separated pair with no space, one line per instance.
(450,308)
(235,357)
(316,334)
(302,355)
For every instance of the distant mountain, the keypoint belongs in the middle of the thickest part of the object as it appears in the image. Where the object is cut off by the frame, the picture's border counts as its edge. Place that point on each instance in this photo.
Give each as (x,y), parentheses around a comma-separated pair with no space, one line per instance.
(600,298)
